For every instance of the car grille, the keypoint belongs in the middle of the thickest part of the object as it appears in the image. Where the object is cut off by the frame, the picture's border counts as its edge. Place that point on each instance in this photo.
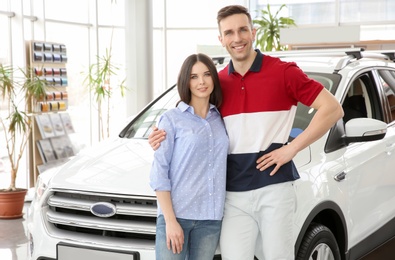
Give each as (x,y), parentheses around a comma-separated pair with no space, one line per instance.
(135,216)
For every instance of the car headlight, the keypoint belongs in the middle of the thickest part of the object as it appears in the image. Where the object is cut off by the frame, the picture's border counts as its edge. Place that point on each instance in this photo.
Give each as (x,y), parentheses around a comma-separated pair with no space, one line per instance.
(42,184)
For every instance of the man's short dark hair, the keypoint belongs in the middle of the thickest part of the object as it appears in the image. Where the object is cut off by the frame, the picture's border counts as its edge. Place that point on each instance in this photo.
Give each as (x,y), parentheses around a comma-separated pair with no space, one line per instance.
(231,10)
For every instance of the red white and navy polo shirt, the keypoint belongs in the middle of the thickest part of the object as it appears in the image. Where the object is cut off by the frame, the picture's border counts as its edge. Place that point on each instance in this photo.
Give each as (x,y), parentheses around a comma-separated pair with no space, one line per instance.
(259,109)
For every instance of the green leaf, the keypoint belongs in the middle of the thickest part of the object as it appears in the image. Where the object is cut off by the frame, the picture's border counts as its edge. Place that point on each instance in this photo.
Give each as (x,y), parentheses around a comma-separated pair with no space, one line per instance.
(268,28)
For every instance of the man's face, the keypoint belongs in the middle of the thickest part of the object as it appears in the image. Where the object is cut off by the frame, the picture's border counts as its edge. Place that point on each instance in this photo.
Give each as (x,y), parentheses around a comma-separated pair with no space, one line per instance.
(237,36)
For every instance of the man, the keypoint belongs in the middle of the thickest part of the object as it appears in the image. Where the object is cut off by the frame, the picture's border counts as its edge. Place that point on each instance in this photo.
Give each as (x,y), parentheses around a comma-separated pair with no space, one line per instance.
(260,95)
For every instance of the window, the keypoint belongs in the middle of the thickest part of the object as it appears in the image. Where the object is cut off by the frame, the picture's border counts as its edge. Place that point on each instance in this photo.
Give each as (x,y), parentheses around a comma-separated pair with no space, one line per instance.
(73,23)
(304,114)
(387,80)
(362,99)
(141,126)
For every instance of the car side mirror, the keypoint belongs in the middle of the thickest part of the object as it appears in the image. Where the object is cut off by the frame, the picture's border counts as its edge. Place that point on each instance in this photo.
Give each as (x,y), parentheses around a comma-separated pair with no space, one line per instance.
(364,130)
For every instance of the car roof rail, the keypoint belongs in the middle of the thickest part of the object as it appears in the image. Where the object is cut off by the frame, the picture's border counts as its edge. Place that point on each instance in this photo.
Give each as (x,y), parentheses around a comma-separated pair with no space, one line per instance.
(374,55)
(218,60)
(355,53)
(351,55)
(359,54)
(389,54)
(346,55)
(315,52)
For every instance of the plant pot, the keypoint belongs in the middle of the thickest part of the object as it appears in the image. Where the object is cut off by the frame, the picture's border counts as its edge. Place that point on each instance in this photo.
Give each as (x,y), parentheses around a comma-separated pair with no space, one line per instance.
(11,203)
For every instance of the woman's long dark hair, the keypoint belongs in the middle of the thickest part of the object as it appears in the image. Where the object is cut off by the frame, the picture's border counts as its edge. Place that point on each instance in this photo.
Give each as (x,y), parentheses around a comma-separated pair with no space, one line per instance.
(184,78)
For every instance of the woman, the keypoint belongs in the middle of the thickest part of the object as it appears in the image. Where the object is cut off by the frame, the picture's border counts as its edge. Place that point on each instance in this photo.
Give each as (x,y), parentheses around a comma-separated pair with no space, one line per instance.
(189,169)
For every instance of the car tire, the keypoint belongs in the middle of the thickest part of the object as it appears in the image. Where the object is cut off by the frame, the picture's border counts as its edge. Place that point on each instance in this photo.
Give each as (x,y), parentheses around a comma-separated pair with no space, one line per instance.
(319,243)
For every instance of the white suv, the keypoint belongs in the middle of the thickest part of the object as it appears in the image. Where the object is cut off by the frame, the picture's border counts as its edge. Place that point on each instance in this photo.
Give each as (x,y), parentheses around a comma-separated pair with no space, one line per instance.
(100,205)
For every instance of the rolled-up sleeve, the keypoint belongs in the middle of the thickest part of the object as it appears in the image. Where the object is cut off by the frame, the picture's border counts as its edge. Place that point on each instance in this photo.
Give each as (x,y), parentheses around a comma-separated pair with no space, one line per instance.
(159,175)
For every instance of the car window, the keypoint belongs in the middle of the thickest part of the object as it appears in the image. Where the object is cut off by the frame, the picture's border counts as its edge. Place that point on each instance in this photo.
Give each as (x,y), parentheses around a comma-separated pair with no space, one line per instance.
(387,80)
(141,125)
(304,114)
(362,99)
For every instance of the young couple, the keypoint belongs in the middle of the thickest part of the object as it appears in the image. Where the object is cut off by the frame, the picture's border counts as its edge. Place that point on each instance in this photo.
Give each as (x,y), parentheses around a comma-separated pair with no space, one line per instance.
(232,128)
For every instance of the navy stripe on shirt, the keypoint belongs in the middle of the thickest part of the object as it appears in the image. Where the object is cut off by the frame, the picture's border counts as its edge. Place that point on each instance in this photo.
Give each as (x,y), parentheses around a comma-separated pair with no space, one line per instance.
(242,174)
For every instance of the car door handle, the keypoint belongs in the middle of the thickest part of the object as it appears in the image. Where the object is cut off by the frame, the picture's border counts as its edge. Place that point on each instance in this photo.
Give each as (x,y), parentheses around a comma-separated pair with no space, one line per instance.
(340,176)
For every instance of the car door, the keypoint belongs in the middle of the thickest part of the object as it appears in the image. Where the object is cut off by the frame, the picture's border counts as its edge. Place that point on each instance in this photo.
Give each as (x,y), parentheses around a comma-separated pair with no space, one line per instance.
(370,166)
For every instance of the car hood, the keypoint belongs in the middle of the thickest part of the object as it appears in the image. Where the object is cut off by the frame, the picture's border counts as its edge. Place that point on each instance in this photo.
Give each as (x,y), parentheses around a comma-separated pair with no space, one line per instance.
(118,166)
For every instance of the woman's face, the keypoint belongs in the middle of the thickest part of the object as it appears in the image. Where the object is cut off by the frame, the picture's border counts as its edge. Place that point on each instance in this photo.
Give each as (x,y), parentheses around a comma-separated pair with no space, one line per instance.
(200,82)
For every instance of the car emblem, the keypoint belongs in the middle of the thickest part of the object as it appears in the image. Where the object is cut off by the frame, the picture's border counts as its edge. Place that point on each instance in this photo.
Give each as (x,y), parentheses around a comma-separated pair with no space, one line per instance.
(103,209)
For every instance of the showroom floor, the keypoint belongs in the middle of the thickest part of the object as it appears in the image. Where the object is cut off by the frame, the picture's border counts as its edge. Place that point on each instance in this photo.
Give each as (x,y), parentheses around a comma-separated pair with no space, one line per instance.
(14,243)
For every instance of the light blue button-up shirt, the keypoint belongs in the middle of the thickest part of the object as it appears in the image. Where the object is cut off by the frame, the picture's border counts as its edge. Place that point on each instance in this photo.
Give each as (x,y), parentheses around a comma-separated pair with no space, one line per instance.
(191,163)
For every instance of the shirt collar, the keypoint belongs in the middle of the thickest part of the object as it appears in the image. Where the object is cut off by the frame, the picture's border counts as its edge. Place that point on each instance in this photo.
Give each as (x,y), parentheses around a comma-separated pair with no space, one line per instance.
(256,65)
(182,106)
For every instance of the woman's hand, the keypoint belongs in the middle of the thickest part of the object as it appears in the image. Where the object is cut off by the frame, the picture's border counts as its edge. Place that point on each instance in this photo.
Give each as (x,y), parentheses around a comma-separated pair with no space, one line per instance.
(156,137)
(174,237)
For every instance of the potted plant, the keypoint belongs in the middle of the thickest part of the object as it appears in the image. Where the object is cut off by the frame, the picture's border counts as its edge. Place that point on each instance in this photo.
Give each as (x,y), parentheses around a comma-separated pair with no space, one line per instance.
(16,124)
(100,80)
(268,29)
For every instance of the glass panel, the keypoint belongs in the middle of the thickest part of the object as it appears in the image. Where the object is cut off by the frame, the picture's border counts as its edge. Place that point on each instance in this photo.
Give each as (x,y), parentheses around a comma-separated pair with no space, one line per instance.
(158,60)
(304,12)
(158,13)
(3,5)
(366,10)
(141,126)
(314,13)
(117,102)
(387,80)
(304,114)
(78,58)
(192,14)
(4,46)
(26,7)
(27,29)
(5,61)
(188,39)
(82,110)
(70,10)
(114,38)
(111,12)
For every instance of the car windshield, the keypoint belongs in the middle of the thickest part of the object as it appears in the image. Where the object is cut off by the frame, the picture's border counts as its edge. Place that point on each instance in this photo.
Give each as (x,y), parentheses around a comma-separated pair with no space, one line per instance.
(304,114)
(141,125)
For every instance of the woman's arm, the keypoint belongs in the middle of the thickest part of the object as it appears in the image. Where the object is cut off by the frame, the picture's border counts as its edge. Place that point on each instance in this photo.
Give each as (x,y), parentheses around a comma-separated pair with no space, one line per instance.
(156,137)
(174,232)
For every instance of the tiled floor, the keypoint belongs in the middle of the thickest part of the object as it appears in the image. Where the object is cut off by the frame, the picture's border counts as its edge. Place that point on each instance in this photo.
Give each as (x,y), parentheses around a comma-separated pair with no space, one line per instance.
(13,235)
(14,243)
